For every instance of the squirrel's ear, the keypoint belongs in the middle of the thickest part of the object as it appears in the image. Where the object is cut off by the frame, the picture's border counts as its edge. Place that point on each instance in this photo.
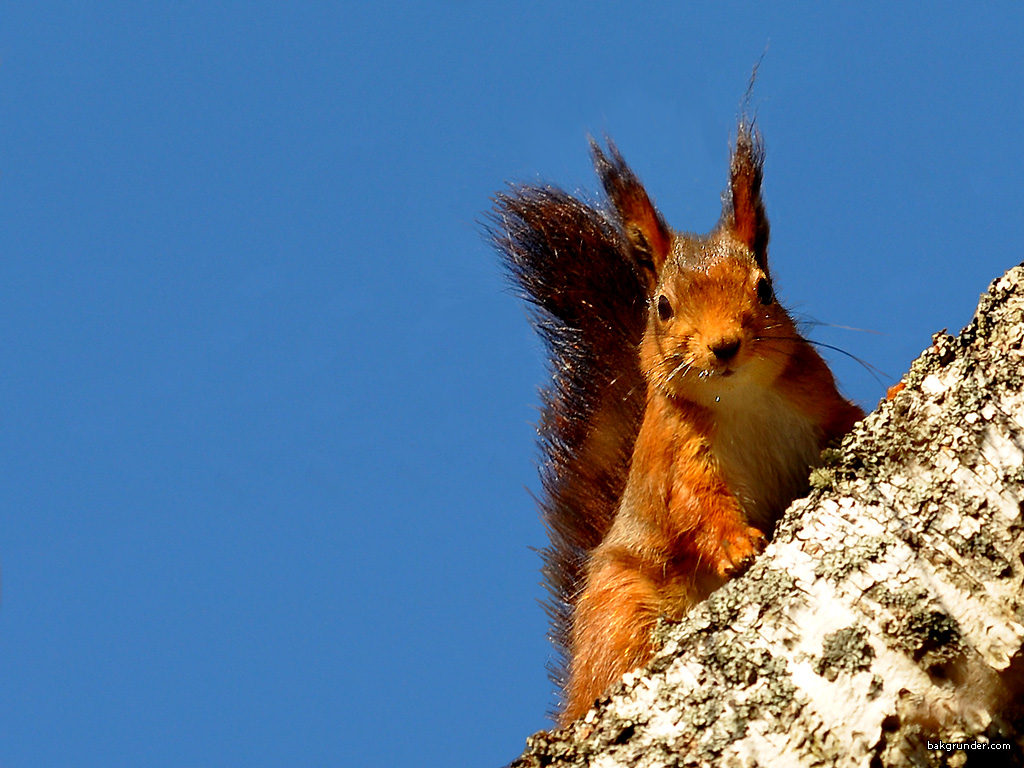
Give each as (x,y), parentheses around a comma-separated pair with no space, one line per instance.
(744,210)
(649,237)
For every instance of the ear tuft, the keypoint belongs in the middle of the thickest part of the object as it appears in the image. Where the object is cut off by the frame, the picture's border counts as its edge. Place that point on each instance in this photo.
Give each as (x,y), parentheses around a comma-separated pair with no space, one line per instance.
(649,237)
(744,213)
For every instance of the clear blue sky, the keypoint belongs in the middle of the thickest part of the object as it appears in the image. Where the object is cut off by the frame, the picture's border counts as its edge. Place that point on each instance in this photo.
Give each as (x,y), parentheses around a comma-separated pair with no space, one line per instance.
(265,396)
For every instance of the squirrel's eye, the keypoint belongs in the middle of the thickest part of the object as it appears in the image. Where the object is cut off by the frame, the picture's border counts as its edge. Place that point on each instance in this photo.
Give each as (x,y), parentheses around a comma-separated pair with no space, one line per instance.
(664,307)
(764,291)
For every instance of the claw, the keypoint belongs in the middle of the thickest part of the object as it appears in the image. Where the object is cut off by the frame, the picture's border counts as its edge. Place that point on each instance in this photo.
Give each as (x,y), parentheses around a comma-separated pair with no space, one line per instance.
(738,550)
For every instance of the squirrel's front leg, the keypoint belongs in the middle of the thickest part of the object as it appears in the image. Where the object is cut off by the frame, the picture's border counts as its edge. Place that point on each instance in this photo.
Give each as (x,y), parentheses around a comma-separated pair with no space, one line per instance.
(725,544)
(705,516)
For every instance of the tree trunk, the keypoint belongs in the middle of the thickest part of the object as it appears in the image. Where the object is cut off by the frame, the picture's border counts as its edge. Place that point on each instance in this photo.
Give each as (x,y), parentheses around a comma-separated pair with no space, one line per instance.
(884,624)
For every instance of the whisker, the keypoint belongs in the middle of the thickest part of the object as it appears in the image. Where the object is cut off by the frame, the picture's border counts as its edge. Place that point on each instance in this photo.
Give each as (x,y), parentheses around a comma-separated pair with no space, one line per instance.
(683,366)
(874,371)
(815,323)
(852,328)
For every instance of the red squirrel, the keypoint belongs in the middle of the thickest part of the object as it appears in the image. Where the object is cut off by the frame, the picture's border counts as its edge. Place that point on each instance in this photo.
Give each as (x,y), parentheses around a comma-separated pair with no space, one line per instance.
(685,409)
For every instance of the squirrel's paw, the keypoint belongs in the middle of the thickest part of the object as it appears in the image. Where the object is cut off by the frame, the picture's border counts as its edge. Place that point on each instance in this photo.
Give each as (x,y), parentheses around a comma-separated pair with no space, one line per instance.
(736,551)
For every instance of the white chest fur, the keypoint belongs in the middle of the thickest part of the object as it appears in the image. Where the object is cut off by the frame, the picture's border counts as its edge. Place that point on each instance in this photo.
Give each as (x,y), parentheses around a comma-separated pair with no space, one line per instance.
(765,448)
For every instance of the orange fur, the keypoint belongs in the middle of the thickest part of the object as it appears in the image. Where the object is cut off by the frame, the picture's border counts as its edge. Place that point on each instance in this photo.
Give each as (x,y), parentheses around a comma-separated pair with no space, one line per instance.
(739,406)
(684,413)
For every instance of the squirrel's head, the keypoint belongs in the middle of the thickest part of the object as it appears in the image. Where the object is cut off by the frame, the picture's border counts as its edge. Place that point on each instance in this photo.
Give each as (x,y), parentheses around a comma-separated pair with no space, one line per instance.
(714,325)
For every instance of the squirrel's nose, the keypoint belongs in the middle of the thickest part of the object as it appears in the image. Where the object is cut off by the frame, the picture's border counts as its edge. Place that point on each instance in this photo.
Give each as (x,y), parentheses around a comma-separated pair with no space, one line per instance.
(725,349)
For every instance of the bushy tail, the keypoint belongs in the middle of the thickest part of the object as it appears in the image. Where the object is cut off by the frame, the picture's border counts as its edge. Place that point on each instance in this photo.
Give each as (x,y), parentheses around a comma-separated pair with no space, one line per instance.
(573,264)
